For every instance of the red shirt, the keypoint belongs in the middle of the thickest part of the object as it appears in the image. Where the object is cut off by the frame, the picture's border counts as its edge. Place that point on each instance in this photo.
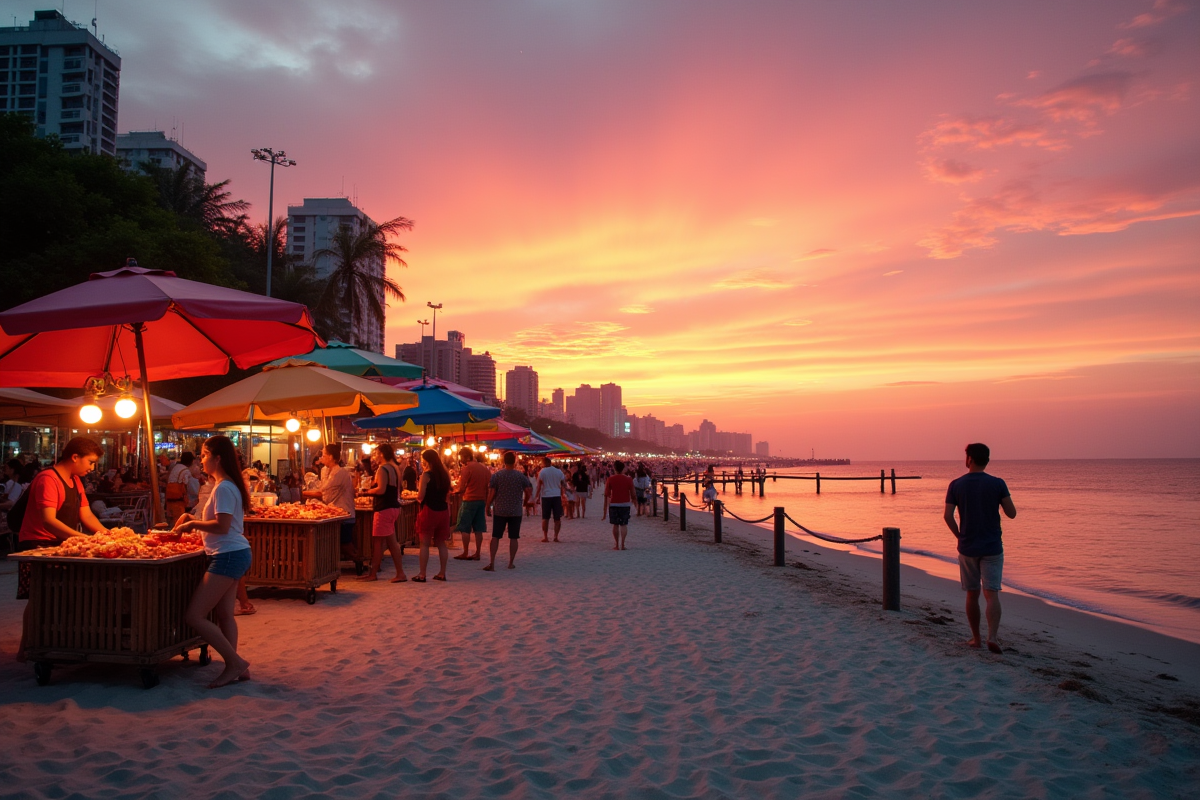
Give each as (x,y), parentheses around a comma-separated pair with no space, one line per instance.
(619,490)
(47,491)
(473,480)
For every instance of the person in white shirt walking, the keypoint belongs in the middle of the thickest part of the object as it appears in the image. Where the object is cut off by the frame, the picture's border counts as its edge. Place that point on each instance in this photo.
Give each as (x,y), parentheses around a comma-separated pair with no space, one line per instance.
(549,489)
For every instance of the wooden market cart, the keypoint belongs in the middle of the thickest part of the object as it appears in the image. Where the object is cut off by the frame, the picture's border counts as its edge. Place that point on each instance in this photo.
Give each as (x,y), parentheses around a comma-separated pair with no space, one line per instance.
(111,610)
(300,553)
(406,527)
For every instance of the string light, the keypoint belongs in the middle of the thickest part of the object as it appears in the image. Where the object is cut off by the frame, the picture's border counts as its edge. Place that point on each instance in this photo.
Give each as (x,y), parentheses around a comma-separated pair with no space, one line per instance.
(292,425)
(430,442)
(313,435)
(367,448)
(91,413)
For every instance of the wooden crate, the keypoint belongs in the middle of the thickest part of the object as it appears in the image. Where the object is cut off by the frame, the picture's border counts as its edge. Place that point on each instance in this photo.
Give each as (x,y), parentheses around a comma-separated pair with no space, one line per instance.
(406,523)
(119,611)
(300,554)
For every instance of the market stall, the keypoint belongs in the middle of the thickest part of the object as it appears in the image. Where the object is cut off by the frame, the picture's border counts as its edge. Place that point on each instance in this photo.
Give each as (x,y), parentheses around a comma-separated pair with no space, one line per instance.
(364,518)
(294,545)
(113,598)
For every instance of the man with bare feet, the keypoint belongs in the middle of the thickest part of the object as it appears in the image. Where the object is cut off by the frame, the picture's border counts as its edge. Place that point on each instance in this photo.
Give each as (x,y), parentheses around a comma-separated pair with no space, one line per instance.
(618,497)
(979,497)
(473,478)
(550,484)
(508,491)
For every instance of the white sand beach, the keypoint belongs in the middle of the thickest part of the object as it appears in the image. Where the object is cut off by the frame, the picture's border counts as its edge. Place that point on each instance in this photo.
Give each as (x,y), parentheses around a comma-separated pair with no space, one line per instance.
(677,668)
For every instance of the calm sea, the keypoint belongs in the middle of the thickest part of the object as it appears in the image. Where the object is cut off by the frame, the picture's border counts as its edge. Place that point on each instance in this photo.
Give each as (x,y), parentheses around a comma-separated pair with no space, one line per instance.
(1115,537)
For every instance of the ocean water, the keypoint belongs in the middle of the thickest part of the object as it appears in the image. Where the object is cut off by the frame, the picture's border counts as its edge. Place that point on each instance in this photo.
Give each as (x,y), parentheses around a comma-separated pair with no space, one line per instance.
(1115,537)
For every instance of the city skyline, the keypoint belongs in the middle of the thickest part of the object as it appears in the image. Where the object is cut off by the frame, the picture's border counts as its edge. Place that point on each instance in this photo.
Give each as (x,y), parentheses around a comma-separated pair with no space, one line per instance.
(733,233)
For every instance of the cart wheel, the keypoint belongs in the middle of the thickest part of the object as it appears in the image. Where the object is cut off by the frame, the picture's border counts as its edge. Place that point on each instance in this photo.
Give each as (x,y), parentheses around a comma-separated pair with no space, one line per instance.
(333,586)
(205,657)
(41,671)
(149,678)
(311,597)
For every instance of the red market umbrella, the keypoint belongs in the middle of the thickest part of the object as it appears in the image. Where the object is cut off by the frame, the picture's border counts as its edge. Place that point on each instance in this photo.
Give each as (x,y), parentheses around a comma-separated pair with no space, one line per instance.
(147,324)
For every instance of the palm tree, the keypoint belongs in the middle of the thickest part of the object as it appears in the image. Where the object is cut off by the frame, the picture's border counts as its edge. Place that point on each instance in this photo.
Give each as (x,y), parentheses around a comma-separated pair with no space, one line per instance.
(358,286)
(292,280)
(183,191)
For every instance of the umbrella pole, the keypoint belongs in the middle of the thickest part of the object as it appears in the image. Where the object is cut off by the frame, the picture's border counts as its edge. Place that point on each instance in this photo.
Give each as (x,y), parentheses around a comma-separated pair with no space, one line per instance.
(250,447)
(156,508)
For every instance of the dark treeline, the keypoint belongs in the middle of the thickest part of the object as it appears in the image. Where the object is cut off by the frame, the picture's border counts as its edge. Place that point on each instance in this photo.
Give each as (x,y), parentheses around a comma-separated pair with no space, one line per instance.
(65,215)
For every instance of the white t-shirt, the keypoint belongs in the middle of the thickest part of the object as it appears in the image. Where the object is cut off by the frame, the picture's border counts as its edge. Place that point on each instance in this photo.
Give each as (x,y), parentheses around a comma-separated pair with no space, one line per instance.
(550,482)
(12,491)
(225,499)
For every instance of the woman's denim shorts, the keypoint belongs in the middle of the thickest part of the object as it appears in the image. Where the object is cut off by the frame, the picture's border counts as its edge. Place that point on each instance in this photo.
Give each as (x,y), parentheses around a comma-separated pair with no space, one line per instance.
(232,564)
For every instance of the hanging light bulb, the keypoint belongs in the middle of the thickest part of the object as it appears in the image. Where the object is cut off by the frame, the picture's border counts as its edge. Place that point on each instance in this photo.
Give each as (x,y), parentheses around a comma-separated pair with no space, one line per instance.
(483,448)
(454,448)
(367,448)
(91,413)
(314,435)
(446,451)
(430,442)
(292,425)
(126,407)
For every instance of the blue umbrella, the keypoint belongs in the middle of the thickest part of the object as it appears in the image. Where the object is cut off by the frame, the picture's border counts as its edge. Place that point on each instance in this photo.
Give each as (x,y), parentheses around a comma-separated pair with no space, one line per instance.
(435,406)
(517,446)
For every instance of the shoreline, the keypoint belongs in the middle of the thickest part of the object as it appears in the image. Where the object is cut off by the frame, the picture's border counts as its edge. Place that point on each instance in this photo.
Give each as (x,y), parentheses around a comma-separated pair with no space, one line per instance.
(1036,622)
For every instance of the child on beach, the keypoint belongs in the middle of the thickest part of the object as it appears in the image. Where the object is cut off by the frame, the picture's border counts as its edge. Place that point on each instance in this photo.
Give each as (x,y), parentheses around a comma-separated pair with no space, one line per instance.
(710,494)
(569,497)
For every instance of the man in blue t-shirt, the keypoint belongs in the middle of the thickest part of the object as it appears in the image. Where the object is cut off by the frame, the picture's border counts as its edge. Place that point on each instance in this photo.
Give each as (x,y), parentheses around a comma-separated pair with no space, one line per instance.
(979,498)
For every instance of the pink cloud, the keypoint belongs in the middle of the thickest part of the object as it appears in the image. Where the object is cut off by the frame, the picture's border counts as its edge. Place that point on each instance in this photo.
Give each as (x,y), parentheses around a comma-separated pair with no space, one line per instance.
(1161,10)
(1083,99)
(988,133)
(1019,207)
(1132,48)
(949,170)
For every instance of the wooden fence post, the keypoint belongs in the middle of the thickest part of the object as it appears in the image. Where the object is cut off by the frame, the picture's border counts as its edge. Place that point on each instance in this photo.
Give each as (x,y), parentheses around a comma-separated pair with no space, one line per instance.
(653,497)
(818,483)
(891,569)
(666,504)
(893,480)
(683,512)
(779,540)
(717,521)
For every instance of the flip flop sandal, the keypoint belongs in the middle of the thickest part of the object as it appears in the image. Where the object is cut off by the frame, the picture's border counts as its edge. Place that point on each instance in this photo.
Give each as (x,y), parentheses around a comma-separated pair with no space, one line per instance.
(417,579)
(439,578)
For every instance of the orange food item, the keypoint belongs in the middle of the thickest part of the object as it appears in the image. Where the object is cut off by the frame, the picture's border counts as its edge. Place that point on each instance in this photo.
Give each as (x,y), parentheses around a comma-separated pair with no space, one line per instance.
(124,543)
(312,510)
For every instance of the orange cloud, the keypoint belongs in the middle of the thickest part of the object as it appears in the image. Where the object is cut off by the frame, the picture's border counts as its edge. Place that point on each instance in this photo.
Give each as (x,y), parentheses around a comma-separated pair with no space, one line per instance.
(948,170)
(988,133)
(812,255)
(754,279)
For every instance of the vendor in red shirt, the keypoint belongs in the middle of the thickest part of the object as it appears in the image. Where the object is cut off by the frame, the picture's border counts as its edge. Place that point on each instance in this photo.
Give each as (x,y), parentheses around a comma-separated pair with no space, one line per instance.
(57,509)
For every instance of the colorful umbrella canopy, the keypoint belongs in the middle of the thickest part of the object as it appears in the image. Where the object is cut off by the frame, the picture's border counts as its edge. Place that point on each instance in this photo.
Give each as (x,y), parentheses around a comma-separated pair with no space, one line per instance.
(26,404)
(435,406)
(295,387)
(146,323)
(522,446)
(189,329)
(450,386)
(363,363)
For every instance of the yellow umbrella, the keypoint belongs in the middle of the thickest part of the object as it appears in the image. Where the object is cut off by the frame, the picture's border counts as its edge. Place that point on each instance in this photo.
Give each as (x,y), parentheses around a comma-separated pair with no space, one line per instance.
(293,388)
(449,428)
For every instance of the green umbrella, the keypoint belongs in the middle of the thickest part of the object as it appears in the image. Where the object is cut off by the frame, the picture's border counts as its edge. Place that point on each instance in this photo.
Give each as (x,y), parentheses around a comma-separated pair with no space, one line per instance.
(363,363)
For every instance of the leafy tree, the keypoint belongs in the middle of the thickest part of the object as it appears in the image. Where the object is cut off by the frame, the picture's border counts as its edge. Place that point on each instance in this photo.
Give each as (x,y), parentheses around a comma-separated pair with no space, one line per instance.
(66,215)
(353,289)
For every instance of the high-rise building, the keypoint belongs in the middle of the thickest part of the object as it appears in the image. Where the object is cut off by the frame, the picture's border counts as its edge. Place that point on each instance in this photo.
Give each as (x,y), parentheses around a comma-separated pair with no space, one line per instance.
(311,228)
(63,78)
(521,389)
(145,150)
(706,436)
(558,403)
(612,421)
(479,373)
(762,449)
(583,408)
(450,359)
(674,437)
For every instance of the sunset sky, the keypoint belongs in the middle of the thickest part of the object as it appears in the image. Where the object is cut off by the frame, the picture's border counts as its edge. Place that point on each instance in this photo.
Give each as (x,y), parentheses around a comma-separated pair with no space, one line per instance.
(876,230)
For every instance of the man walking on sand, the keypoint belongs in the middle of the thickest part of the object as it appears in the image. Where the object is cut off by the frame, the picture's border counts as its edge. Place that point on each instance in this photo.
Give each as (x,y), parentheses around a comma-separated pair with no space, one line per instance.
(508,491)
(550,483)
(979,497)
(618,497)
(473,478)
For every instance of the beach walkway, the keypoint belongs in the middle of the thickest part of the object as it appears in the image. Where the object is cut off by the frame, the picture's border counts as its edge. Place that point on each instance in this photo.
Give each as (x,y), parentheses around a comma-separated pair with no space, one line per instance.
(673,669)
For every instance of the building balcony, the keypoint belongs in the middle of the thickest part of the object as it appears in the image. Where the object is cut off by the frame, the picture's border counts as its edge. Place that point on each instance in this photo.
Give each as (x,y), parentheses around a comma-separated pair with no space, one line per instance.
(72,88)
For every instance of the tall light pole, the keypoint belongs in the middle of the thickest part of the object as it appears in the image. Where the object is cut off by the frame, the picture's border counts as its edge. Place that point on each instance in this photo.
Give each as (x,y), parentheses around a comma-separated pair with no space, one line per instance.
(422,323)
(273,157)
(435,310)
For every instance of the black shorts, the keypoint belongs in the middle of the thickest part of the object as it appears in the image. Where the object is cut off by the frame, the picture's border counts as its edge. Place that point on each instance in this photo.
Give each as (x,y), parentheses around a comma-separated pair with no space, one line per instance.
(552,506)
(499,523)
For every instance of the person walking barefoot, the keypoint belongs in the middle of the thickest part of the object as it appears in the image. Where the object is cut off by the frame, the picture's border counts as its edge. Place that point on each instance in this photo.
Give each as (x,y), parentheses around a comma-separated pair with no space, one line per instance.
(619,495)
(221,524)
(385,496)
(508,490)
(433,520)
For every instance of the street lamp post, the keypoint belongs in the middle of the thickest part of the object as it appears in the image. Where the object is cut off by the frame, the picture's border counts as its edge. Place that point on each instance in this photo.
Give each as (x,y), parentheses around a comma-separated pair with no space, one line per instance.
(422,323)
(273,157)
(435,310)
(433,344)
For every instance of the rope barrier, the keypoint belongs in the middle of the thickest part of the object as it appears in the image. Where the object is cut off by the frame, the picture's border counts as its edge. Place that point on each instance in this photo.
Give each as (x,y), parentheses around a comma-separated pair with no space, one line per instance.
(767,518)
(827,537)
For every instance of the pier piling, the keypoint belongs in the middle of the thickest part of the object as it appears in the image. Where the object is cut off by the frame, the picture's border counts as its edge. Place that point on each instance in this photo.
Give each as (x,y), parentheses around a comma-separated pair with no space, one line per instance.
(779,536)
(891,569)
(717,521)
